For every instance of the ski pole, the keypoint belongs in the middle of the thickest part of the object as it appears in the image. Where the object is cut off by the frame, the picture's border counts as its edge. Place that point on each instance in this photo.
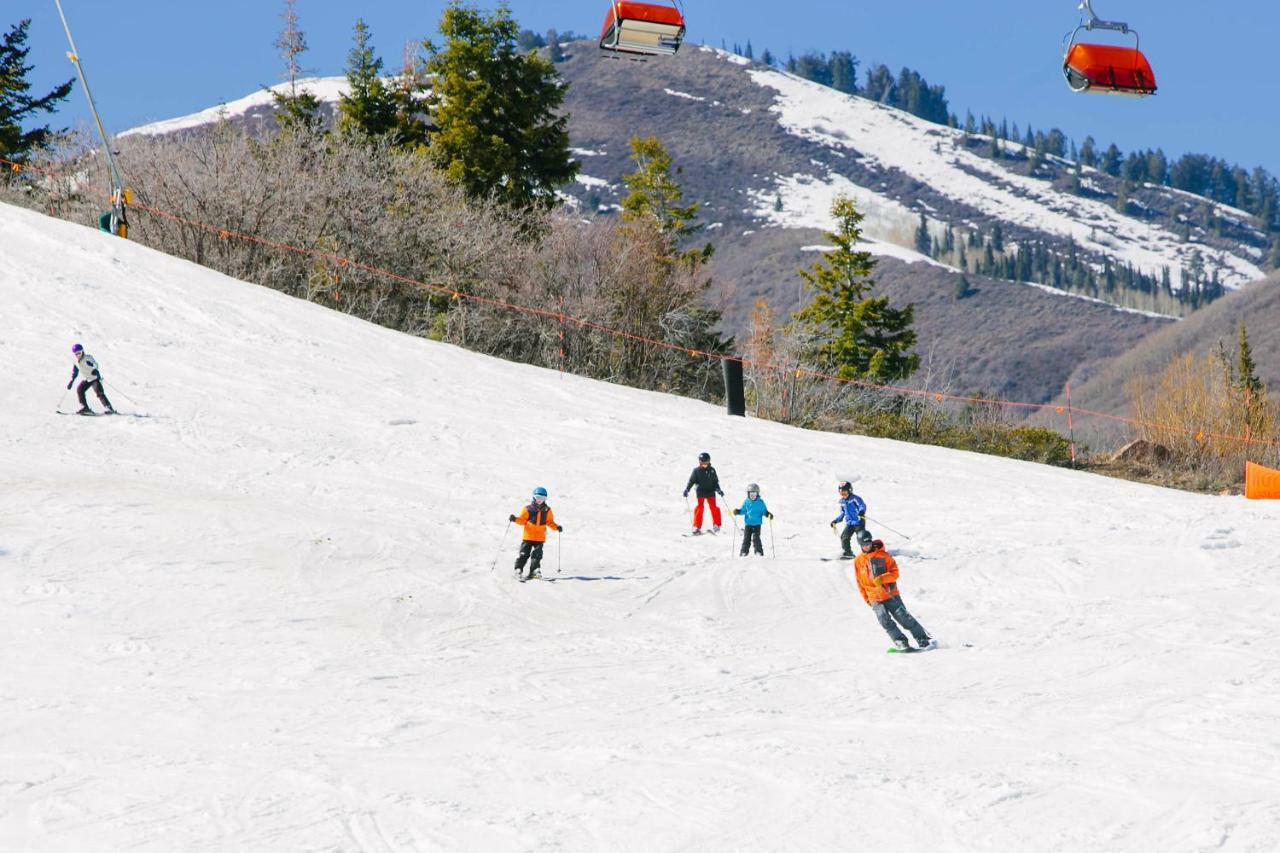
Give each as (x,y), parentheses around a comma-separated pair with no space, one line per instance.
(733,543)
(559,550)
(62,399)
(116,390)
(887,527)
(500,544)
(773,546)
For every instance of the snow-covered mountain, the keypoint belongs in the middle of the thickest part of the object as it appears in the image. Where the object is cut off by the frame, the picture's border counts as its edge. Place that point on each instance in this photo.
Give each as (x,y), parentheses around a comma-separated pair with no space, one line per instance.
(258,611)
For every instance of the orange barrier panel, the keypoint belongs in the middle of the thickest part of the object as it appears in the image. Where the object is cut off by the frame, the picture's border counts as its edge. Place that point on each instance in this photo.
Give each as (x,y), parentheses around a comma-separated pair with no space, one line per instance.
(1260,482)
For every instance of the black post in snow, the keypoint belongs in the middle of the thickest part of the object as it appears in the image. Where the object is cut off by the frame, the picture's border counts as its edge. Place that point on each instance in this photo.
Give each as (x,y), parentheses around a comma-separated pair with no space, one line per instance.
(734,394)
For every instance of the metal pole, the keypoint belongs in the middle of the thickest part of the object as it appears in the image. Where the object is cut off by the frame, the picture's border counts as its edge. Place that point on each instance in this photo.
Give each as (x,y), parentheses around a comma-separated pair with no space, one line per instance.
(1071,426)
(117,182)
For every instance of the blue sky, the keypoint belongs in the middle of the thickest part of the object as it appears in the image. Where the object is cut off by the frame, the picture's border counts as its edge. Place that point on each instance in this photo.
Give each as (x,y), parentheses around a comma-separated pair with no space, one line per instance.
(155,59)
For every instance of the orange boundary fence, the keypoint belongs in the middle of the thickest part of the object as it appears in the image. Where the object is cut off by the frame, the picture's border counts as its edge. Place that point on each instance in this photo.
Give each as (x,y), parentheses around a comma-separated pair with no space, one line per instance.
(341,262)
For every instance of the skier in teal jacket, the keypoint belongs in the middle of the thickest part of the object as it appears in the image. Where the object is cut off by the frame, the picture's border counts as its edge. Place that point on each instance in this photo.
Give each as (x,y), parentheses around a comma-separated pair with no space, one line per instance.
(753,511)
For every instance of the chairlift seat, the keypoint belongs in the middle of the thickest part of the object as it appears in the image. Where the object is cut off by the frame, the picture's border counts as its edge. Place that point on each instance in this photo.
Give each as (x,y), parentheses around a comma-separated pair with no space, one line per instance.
(648,29)
(1108,69)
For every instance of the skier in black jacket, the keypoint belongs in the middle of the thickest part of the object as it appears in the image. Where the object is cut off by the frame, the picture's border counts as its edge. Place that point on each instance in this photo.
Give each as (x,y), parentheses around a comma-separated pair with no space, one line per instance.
(707,483)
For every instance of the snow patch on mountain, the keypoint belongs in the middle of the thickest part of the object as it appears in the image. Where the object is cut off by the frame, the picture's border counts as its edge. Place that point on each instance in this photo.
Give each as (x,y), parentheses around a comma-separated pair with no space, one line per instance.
(328,90)
(935,155)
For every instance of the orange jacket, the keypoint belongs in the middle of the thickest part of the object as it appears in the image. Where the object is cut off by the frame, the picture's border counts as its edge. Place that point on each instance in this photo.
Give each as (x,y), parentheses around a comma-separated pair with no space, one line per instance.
(877,576)
(536,519)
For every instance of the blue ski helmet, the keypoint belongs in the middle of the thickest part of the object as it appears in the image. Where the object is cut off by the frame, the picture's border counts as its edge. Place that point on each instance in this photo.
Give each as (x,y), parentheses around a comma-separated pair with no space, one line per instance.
(539,492)
(76,348)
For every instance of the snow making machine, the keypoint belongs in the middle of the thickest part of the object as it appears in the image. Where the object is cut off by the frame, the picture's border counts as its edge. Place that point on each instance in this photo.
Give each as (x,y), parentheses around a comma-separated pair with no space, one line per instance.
(1104,68)
(642,29)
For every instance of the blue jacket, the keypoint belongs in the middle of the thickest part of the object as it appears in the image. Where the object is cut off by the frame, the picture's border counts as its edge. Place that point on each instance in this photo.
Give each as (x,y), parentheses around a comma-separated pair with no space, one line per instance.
(852,509)
(753,512)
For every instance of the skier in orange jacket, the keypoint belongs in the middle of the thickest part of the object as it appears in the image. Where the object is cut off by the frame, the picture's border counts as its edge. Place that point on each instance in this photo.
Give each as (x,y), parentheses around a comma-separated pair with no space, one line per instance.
(536,518)
(877,574)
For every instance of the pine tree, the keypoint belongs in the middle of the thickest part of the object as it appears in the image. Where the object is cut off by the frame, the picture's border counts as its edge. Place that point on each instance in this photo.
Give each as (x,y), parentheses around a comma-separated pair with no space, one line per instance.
(368,107)
(924,243)
(15,104)
(411,124)
(853,334)
(499,132)
(655,199)
(767,58)
(554,51)
(749,53)
(1247,368)
(294,110)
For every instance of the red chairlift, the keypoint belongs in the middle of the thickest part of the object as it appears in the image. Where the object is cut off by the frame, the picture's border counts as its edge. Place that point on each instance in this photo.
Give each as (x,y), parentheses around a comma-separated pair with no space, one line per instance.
(643,29)
(1103,68)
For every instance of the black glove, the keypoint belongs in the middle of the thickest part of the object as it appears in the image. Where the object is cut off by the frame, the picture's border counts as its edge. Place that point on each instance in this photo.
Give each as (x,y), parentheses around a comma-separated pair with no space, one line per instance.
(511,518)
(69,384)
(737,512)
(686,491)
(769,516)
(833,525)
(720,493)
(560,529)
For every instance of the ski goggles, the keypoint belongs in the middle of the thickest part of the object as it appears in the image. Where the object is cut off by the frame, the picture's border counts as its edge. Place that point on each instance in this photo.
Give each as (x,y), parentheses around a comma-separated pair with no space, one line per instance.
(753,494)
(538,499)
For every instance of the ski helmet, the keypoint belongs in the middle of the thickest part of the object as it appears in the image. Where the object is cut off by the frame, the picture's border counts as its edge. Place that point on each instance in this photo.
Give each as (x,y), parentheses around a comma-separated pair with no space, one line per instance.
(753,488)
(846,486)
(75,348)
(539,492)
(878,545)
(704,457)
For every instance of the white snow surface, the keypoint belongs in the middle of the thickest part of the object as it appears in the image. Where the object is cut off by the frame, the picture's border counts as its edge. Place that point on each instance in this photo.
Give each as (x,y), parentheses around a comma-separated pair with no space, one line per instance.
(262,617)
(935,155)
(326,90)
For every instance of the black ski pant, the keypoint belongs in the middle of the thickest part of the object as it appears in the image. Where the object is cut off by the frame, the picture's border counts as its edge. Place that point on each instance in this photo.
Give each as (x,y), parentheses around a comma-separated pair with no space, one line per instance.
(847,536)
(529,549)
(82,391)
(750,534)
(893,609)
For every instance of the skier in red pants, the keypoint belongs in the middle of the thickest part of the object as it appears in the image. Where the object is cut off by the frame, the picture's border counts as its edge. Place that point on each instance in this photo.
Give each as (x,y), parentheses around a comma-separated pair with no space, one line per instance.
(707,483)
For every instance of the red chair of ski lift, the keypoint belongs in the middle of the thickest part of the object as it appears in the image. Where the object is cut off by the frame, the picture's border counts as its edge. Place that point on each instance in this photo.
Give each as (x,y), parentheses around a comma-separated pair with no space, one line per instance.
(1103,68)
(643,29)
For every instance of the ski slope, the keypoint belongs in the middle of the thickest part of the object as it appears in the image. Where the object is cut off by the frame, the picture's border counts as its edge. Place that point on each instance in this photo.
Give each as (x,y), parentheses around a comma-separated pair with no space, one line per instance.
(261,617)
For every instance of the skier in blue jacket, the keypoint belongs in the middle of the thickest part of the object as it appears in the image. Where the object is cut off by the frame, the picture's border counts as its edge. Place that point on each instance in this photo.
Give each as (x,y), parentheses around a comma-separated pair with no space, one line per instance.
(753,512)
(853,510)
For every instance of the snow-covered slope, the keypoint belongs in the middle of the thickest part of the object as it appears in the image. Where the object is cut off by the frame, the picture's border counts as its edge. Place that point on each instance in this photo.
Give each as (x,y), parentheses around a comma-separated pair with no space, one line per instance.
(327,90)
(261,616)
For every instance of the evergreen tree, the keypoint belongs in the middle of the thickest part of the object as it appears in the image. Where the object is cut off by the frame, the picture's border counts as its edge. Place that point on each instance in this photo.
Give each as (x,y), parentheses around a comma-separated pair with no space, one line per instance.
(844,72)
(854,334)
(997,237)
(655,198)
(767,58)
(555,51)
(1111,161)
(924,243)
(529,41)
(368,107)
(1088,152)
(16,104)
(1247,368)
(498,131)
(295,110)
(412,128)
(749,53)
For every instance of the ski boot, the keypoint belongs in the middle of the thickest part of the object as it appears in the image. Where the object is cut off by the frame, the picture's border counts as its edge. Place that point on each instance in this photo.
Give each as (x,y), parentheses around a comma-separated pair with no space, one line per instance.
(85,411)
(901,645)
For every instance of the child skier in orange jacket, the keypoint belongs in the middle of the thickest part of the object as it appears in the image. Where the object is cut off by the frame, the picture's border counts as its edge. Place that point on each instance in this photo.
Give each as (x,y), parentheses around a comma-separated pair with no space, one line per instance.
(536,518)
(877,574)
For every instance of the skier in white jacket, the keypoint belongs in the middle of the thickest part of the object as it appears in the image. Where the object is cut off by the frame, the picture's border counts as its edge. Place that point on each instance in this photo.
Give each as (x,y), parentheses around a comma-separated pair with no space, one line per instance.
(90,377)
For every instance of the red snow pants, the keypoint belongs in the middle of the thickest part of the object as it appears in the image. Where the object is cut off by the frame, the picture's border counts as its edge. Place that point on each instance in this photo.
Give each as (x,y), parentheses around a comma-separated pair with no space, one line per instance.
(715,512)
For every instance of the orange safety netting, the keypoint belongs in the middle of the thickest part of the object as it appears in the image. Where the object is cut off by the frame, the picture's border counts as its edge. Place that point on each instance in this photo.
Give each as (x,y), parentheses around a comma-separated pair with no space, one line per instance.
(1260,482)
(1109,68)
